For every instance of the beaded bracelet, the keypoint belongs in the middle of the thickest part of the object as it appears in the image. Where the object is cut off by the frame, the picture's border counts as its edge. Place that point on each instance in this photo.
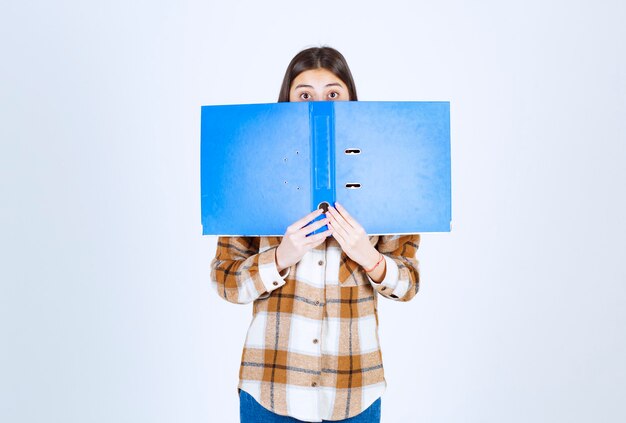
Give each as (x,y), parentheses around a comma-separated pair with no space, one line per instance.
(377,263)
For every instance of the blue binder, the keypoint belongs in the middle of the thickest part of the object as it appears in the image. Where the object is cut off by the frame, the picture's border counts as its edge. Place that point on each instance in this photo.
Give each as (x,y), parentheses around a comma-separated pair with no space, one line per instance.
(264,166)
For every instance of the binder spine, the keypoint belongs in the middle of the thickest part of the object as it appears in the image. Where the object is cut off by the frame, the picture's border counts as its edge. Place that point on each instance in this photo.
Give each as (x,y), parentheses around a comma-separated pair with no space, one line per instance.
(322,125)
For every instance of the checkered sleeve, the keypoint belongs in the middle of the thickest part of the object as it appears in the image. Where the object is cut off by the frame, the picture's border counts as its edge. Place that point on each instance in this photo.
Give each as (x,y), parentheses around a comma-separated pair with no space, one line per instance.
(401,280)
(242,272)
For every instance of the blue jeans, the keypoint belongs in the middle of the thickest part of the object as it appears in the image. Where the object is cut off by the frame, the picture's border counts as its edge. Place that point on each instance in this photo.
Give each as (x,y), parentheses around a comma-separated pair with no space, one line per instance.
(250,411)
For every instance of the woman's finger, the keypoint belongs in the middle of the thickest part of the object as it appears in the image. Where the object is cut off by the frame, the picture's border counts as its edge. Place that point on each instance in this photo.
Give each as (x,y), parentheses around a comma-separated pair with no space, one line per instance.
(347,216)
(313,227)
(298,224)
(342,221)
(339,237)
(317,238)
(338,226)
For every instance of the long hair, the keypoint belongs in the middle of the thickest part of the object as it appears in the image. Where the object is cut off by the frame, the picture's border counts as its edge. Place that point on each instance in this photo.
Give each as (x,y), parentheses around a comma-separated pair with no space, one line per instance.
(315,58)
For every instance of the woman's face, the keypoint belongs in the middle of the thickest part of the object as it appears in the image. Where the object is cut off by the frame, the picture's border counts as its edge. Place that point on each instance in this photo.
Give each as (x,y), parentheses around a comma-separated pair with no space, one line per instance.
(318,85)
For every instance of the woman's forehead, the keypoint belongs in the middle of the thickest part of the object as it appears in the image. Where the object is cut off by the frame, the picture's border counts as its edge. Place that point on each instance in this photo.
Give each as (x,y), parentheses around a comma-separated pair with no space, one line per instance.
(317,78)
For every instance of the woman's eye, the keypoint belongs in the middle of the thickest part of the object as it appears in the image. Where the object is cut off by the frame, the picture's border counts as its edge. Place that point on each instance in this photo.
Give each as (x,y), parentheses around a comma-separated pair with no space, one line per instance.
(333,95)
(305,96)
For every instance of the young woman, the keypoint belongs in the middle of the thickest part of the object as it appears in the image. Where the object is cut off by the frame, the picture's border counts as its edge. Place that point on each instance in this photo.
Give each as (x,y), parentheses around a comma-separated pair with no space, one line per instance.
(312,351)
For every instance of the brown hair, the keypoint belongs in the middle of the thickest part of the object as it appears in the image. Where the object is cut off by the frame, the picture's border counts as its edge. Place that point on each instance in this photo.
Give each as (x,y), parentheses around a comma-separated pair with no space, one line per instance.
(315,58)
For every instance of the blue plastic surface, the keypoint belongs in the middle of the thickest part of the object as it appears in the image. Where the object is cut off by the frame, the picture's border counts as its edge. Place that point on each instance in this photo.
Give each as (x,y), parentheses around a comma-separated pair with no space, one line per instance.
(321,119)
(264,166)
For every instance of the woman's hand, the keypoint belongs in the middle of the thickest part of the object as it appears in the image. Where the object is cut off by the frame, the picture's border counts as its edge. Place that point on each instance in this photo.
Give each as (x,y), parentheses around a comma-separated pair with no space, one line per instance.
(296,243)
(352,237)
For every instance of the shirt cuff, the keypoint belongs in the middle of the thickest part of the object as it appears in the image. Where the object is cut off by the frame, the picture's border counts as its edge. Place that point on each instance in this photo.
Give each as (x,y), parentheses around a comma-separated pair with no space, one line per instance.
(269,272)
(390,282)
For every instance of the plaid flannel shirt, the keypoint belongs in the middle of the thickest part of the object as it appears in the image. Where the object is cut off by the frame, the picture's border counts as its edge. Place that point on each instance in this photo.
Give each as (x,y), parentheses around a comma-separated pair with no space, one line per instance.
(312,350)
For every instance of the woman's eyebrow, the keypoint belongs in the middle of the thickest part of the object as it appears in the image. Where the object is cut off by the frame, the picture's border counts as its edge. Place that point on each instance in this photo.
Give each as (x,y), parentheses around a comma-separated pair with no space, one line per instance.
(332,84)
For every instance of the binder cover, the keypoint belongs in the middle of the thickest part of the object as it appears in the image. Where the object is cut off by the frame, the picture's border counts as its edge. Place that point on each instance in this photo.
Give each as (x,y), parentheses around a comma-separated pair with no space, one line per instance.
(264,166)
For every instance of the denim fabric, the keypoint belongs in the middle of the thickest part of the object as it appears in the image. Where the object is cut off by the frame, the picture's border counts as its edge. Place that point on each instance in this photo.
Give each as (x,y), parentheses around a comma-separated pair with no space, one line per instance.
(250,411)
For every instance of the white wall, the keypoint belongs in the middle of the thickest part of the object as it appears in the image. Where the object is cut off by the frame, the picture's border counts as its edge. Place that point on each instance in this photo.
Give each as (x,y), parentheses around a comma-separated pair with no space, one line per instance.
(106,312)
